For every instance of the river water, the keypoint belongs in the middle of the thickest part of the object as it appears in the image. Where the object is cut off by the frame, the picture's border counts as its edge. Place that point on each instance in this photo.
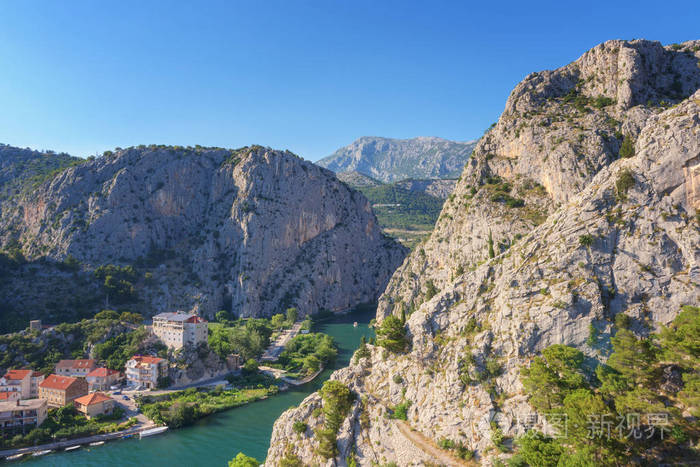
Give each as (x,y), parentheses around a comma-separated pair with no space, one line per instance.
(214,440)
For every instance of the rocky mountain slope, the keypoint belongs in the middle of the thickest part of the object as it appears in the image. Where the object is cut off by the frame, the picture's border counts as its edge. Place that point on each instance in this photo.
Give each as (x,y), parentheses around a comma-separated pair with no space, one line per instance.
(252,230)
(438,188)
(22,169)
(580,204)
(389,160)
(357,180)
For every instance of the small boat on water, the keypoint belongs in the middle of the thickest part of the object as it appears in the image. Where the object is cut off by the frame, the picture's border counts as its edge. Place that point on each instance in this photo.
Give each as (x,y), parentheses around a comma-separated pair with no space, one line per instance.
(97,443)
(14,457)
(153,431)
(41,453)
(354,324)
(72,448)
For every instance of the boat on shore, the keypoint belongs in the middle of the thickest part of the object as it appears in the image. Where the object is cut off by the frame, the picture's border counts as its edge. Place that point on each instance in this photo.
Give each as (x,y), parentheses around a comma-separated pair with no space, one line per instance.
(97,443)
(41,453)
(15,457)
(72,448)
(153,431)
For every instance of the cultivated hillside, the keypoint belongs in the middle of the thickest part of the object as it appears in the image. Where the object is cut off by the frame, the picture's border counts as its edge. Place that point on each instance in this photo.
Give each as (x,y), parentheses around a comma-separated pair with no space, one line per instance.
(576,219)
(389,160)
(252,230)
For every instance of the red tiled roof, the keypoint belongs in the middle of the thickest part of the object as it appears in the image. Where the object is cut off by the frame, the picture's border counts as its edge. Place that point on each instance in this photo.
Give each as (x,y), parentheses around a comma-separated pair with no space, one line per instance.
(92,399)
(146,359)
(17,374)
(57,382)
(196,319)
(36,374)
(102,372)
(75,364)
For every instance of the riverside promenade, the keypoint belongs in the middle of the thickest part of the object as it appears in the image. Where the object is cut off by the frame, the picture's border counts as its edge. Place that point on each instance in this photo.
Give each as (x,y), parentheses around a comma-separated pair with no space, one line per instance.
(78,441)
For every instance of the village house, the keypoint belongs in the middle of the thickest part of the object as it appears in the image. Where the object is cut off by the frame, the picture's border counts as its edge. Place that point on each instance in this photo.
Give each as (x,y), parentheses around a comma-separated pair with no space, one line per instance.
(21,416)
(101,379)
(75,368)
(177,330)
(144,371)
(62,390)
(94,404)
(24,382)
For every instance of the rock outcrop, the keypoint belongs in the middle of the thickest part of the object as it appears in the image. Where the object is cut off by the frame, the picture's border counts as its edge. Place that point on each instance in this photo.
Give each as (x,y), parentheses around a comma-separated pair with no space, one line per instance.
(251,230)
(22,169)
(548,234)
(390,160)
(438,188)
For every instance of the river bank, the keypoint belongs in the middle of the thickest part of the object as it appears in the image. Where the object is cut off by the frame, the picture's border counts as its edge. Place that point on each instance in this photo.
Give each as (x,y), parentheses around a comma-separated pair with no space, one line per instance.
(216,439)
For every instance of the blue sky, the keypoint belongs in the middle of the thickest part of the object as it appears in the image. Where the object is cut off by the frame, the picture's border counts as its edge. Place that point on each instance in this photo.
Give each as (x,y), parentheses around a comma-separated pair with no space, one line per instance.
(308,76)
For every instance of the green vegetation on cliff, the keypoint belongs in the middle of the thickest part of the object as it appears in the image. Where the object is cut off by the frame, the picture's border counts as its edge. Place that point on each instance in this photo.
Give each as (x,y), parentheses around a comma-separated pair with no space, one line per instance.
(640,405)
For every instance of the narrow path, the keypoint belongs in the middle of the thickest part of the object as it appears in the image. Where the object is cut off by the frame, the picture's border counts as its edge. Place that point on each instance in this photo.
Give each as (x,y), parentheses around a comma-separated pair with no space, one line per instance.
(428,446)
(276,348)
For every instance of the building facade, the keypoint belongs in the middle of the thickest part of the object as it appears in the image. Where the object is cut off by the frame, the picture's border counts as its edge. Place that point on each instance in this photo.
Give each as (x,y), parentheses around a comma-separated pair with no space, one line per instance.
(22,416)
(177,330)
(62,390)
(144,371)
(101,379)
(94,404)
(75,368)
(19,381)
(23,382)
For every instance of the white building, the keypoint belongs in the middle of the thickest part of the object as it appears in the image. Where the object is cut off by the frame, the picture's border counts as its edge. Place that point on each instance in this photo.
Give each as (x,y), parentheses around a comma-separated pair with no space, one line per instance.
(180,329)
(144,371)
(21,416)
(24,382)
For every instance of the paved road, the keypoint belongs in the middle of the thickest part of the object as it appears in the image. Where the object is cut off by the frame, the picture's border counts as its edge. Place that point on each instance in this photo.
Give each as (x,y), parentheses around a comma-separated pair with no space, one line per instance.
(273,352)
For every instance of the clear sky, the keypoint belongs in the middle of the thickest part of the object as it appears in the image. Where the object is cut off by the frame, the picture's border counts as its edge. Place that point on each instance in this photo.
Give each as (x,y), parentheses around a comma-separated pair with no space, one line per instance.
(309,76)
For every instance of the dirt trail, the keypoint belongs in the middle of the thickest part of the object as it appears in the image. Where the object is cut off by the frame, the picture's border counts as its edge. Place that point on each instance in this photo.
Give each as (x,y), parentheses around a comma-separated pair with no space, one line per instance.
(428,446)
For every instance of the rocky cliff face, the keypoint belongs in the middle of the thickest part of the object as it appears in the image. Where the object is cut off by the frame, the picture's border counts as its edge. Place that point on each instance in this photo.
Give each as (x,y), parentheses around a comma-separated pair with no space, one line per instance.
(389,160)
(253,230)
(437,188)
(578,236)
(21,169)
(558,130)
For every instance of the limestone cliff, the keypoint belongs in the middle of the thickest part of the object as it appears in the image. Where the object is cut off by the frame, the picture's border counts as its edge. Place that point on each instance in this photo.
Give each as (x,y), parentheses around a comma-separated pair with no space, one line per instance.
(578,236)
(251,230)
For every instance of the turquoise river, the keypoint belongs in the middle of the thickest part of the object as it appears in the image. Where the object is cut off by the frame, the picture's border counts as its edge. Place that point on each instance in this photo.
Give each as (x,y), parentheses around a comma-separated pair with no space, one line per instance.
(214,440)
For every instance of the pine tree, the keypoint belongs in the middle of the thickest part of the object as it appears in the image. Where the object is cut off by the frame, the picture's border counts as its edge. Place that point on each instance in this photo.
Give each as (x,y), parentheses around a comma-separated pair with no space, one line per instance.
(492,253)
(627,148)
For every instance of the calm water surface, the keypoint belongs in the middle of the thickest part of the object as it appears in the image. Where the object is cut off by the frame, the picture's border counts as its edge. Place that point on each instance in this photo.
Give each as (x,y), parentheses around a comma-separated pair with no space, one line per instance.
(218,438)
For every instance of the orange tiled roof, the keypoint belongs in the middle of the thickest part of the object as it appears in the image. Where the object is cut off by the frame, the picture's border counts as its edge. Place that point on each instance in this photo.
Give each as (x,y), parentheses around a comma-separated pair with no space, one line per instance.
(17,374)
(75,364)
(146,359)
(102,372)
(4,396)
(92,399)
(57,382)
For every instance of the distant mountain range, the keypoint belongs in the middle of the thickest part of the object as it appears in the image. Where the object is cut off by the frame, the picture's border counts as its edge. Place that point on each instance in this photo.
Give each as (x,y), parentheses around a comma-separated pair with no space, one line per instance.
(390,160)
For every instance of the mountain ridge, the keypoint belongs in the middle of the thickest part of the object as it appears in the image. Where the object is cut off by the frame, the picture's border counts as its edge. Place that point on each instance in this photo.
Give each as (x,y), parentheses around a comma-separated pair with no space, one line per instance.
(242,229)
(553,235)
(393,159)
